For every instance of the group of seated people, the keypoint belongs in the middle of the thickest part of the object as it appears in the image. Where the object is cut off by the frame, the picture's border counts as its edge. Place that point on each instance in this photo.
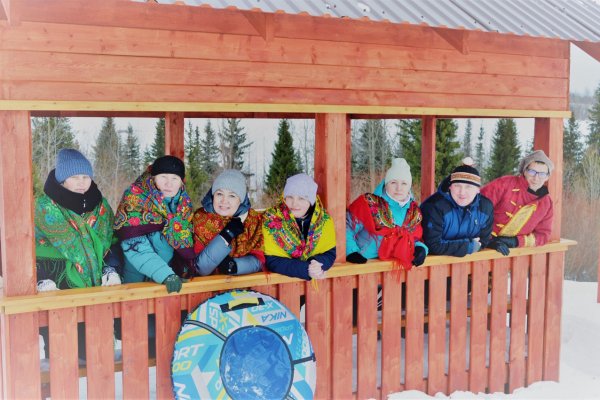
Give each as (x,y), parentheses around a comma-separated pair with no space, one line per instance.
(156,235)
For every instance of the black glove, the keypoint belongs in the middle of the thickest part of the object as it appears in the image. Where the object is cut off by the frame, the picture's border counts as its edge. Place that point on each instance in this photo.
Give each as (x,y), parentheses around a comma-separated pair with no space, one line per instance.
(356,258)
(233,228)
(173,283)
(499,246)
(509,241)
(228,266)
(419,256)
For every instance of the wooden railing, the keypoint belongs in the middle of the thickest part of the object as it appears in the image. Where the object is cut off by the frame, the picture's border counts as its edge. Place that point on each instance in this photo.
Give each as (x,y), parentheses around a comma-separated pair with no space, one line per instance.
(502,335)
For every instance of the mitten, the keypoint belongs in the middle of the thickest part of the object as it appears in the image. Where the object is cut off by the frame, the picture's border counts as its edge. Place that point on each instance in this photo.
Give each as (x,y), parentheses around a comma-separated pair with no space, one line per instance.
(233,228)
(499,246)
(173,283)
(419,256)
(356,258)
(510,241)
(110,277)
(228,266)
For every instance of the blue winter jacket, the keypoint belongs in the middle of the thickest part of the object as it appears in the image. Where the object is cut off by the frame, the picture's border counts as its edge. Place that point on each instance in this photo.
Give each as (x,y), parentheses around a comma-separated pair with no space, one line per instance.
(147,257)
(218,249)
(448,229)
(359,240)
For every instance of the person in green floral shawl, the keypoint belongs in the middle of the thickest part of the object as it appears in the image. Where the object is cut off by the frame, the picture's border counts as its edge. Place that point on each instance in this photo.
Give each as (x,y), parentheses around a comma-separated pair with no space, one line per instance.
(73,229)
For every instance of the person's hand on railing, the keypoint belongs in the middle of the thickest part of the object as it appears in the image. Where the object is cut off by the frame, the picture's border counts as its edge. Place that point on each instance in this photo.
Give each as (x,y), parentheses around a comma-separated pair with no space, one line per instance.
(419,256)
(510,241)
(110,277)
(499,246)
(173,283)
(232,230)
(315,270)
(476,245)
(356,258)
(46,285)
(228,266)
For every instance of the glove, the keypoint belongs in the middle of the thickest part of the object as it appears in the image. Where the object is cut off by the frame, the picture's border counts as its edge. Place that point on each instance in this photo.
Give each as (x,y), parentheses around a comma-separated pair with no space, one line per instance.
(476,245)
(110,277)
(232,229)
(315,270)
(46,285)
(499,246)
(228,266)
(356,258)
(173,283)
(419,256)
(509,241)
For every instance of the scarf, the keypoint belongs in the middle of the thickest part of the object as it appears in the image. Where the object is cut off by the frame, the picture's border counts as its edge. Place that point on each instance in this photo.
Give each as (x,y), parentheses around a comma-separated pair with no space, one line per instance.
(282,227)
(398,242)
(76,202)
(142,210)
(70,244)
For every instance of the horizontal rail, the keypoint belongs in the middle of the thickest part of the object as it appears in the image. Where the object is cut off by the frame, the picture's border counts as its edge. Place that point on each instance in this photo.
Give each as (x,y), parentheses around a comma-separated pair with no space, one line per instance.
(146,290)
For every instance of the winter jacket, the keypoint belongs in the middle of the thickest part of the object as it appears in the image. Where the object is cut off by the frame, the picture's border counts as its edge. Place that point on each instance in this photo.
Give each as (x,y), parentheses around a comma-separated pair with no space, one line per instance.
(359,240)
(448,229)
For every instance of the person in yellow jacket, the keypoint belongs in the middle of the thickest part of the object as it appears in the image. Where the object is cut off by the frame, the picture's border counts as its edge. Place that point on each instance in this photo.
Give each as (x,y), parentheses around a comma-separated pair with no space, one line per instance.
(299,234)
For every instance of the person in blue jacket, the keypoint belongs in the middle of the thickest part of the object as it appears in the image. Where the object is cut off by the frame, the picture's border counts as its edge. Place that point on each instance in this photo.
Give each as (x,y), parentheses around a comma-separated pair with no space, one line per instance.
(457,219)
(387,223)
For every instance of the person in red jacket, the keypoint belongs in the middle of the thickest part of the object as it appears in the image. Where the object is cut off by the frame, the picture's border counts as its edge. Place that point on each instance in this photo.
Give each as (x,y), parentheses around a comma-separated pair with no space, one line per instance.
(523,209)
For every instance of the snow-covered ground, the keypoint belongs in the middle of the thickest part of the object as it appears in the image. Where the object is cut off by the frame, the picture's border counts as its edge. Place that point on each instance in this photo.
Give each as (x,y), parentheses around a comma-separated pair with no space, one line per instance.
(580,354)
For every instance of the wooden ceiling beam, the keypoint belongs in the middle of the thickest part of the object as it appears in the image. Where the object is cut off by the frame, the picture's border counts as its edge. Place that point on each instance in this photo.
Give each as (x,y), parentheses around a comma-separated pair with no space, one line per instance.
(592,49)
(456,38)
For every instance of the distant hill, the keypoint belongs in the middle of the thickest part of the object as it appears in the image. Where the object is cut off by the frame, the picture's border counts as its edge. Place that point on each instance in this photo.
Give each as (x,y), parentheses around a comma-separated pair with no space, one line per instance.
(581,104)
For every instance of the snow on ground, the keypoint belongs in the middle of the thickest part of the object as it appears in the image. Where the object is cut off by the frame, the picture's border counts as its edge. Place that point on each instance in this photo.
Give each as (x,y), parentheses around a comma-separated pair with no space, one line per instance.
(580,354)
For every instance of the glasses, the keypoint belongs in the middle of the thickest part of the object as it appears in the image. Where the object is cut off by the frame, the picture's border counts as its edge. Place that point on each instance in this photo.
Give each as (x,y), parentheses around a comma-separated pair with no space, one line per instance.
(533,172)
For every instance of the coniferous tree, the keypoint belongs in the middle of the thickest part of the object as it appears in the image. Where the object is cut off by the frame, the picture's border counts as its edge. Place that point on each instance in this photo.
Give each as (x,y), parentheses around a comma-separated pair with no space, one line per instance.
(132,158)
(284,162)
(480,150)
(305,138)
(195,176)
(157,148)
(466,145)
(209,151)
(572,146)
(593,139)
(506,151)
(49,135)
(233,143)
(108,161)
(409,138)
(373,153)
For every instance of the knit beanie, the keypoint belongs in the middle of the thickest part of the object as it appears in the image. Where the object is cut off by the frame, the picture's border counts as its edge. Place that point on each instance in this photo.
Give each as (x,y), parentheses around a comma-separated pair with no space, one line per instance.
(301,185)
(71,162)
(400,171)
(536,156)
(233,180)
(466,173)
(168,165)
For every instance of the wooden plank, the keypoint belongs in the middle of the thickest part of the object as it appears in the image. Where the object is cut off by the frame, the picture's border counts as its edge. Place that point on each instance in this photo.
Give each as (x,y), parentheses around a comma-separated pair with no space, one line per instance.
(269,290)
(174,134)
(553,316)
(457,375)
(391,341)
(592,49)
(428,135)
(330,171)
(436,381)
(366,346)
(548,136)
(5,12)
(497,364)
(414,329)
(523,45)
(64,366)
(134,343)
(518,279)
(479,323)
(341,330)
(318,327)
(289,295)
(168,323)
(535,318)
(21,369)
(16,205)
(99,348)
(195,299)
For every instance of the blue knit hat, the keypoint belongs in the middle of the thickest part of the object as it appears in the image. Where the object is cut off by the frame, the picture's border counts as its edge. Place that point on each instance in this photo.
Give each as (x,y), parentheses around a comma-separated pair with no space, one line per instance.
(301,185)
(233,180)
(71,162)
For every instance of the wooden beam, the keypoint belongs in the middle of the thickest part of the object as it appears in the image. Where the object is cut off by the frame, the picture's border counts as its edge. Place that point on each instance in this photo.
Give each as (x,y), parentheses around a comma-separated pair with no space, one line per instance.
(331,136)
(109,106)
(16,204)
(592,49)
(262,22)
(456,37)
(548,136)
(428,136)
(174,134)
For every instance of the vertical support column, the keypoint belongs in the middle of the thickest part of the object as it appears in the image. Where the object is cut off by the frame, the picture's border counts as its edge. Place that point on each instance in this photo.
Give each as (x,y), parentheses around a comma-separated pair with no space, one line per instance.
(428,156)
(549,137)
(20,369)
(174,134)
(331,138)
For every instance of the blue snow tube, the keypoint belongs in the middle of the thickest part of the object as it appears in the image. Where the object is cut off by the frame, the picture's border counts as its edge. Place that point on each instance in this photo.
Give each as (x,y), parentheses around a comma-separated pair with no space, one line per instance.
(243,345)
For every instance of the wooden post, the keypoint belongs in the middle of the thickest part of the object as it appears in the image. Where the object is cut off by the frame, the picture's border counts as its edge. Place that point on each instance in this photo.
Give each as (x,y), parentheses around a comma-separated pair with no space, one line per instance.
(428,157)
(598,299)
(549,137)
(331,137)
(174,134)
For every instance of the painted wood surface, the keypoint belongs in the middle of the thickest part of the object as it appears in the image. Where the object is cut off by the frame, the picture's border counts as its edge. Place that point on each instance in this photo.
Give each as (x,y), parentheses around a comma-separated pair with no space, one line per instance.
(367,336)
(341,330)
(535,318)
(479,326)
(552,318)
(457,369)
(437,380)
(175,134)
(497,364)
(428,138)
(519,279)
(99,347)
(318,327)
(415,281)
(168,322)
(391,331)
(64,371)
(134,345)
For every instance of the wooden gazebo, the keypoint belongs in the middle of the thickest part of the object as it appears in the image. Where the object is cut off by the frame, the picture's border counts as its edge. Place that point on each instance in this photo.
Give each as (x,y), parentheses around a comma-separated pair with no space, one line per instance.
(137,59)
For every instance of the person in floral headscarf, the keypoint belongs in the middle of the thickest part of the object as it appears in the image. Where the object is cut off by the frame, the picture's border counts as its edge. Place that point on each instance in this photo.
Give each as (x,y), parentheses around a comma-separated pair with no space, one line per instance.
(227,232)
(299,234)
(154,223)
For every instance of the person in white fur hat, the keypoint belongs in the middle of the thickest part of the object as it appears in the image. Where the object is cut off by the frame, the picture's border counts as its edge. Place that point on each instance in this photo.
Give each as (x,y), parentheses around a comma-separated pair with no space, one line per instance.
(386,224)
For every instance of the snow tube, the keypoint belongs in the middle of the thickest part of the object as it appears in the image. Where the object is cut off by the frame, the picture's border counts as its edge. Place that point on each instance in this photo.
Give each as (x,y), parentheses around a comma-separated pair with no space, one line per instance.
(243,345)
